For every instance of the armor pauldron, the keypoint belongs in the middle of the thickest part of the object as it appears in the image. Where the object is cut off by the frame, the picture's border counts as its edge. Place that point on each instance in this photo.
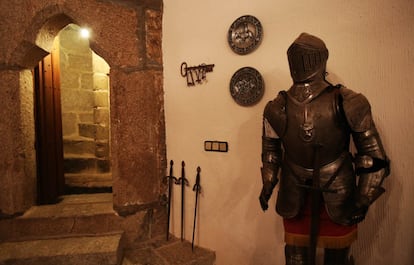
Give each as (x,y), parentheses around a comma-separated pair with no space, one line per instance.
(275,113)
(357,110)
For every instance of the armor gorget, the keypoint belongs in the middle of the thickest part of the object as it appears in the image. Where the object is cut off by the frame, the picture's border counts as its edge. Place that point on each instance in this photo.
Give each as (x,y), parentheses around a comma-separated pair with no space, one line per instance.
(304,92)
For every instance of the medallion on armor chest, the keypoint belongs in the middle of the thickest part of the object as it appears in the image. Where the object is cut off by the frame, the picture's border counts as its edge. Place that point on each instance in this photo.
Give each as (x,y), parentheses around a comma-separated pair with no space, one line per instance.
(306,132)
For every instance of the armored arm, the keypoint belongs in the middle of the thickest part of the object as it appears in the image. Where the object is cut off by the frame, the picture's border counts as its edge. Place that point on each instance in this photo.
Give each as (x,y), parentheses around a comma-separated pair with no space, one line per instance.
(371,163)
(271,159)
(271,149)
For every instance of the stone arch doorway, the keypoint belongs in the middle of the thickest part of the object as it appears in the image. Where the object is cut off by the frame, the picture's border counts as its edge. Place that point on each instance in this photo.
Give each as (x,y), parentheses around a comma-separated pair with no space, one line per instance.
(72,104)
(128,36)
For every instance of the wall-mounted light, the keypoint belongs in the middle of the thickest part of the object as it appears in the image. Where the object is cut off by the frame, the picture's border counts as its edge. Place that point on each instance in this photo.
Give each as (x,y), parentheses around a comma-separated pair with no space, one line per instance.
(85,33)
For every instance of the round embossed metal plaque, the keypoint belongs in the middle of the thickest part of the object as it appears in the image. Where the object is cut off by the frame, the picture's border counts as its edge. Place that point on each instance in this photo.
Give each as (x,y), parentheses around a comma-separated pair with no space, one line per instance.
(245,34)
(247,86)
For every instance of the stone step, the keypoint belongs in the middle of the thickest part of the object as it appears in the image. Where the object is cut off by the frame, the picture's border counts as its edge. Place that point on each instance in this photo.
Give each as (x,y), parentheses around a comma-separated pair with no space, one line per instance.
(94,131)
(85,146)
(79,164)
(85,250)
(87,183)
(75,214)
(79,146)
(90,180)
(172,252)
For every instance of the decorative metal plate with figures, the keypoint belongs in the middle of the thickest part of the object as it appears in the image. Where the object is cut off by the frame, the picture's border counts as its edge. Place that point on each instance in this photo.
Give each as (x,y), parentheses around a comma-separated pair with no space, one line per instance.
(245,34)
(247,86)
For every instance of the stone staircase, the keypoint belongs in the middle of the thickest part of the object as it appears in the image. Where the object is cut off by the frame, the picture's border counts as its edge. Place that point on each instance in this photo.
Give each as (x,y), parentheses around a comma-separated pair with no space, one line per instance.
(86,165)
(75,231)
(85,230)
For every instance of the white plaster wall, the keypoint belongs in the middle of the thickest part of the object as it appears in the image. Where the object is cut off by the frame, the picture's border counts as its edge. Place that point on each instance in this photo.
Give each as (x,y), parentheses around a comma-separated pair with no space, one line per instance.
(371,51)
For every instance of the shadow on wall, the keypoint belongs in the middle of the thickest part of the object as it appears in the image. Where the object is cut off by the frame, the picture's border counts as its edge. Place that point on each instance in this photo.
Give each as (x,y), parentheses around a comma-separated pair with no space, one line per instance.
(263,230)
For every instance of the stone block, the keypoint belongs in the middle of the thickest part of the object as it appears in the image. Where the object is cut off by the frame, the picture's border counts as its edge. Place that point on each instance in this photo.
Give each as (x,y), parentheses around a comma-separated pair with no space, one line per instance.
(86,117)
(102,132)
(78,146)
(153,20)
(80,62)
(139,135)
(103,165)
(99,64)
(79,164)
(41,226)
(101,115)
(77,100)
(75,214)
(69,124)
(153,38)
(69,79)
(101,99)
(88,180)
(13,138)
(152,45)
(86,250)
(158,221)
(86,164)
(135,227)
(100,82)
(87,130)
(94,131)
(102,149)
(87,82)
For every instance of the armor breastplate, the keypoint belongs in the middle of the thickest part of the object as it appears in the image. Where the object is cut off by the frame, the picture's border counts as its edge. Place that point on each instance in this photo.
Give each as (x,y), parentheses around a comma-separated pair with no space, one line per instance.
(316,120)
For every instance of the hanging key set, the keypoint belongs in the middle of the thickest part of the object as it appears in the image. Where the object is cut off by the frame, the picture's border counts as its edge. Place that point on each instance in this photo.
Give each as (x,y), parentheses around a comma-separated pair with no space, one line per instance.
(199,72)
(183,182)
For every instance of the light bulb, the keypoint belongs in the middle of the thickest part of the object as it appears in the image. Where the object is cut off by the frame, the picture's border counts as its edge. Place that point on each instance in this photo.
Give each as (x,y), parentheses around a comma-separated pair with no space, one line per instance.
(84,32)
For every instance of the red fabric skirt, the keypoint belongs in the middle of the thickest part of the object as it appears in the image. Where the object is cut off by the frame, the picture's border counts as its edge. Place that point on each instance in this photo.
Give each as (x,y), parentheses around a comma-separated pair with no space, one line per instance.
(330,235)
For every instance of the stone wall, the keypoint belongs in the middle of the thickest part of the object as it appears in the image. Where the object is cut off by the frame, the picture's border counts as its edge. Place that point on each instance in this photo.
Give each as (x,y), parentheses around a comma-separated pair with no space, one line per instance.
(127,35)
(17,154)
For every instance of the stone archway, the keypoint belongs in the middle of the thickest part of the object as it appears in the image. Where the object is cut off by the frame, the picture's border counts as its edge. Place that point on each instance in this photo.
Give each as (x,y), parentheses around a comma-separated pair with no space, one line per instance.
(128,37)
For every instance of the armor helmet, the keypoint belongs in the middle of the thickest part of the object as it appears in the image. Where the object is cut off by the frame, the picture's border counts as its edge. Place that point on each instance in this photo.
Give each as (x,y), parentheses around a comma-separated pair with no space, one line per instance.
(307,58)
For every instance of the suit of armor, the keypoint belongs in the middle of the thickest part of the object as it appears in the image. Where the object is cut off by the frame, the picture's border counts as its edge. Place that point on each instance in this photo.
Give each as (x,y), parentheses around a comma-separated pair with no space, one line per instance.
(317,119)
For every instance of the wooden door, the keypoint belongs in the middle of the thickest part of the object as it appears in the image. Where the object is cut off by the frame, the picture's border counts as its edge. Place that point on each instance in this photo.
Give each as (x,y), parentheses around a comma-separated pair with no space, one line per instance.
(49,141)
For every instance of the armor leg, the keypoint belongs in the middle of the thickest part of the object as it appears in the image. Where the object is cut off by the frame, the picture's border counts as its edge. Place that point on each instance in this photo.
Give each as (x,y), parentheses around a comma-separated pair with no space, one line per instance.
(296,255)
(336,256)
